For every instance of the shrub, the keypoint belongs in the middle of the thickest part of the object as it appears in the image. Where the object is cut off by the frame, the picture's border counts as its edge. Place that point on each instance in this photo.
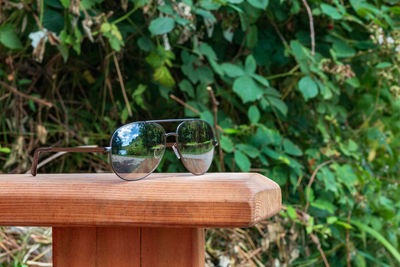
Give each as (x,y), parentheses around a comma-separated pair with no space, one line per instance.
(308,94)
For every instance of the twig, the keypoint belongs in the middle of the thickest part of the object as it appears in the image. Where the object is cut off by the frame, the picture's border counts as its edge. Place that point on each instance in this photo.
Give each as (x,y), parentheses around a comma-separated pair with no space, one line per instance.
(215,104)
(278,32)
(312,33)
(184,104)
(33,98)
(315,240)
(122,86)
(312,180)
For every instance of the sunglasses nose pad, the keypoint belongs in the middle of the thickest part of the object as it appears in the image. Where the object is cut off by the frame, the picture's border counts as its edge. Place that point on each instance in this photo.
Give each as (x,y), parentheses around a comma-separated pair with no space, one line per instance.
(176,151)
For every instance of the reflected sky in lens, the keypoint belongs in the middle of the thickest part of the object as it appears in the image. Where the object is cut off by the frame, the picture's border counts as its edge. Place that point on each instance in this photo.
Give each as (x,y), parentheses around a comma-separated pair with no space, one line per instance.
(128,134)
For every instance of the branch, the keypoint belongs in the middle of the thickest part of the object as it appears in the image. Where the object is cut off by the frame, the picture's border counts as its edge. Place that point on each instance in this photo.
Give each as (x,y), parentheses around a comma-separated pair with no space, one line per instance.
(33,98)
(122,86)
(315,240)
(312,180)
(184,104)
(312,33)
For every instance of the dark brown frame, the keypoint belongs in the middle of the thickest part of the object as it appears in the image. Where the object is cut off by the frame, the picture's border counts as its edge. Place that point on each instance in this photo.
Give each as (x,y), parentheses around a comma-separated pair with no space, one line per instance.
(108,149)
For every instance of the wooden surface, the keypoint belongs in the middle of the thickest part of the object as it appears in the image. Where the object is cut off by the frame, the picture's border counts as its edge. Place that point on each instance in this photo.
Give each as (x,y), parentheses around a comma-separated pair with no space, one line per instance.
(160,200)
(127,246)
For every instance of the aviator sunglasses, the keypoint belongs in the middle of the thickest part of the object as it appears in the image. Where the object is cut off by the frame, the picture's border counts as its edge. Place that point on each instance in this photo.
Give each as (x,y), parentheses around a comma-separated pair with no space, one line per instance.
(136,149)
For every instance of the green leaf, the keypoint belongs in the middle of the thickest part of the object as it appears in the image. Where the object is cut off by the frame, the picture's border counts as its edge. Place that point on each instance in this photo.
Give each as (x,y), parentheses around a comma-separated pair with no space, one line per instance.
(65,3)
(308,87)
(207,50)
(291,148)
(242,161)
(247,88)
(232,70)
(161,25)
(187,87)
(291,212)
(226,144)
(138,96)
(383,65)
(9,38)
(261,4)
(379,237)
(163,76)
(205,14)
(145,44)
(251,151)
(252,37)
(279,104)
(343,49)
(250,64)
(5,150)
(253,114)
(330,11)
(302,55)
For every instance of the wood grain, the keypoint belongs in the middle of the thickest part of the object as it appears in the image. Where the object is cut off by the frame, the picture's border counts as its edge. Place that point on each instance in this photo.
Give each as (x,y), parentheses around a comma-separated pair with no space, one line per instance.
(161,200)
(127,247)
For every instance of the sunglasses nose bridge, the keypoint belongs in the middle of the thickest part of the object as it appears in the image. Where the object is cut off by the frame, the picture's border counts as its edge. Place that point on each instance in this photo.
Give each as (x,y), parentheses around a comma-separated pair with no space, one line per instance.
(171,134)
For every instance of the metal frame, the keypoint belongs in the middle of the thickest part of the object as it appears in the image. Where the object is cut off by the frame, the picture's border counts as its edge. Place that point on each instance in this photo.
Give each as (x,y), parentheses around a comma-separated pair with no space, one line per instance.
(108,149)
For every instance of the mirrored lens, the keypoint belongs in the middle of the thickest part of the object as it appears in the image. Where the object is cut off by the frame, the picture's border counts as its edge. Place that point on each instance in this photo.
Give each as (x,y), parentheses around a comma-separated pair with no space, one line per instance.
(137,149)
(195,143)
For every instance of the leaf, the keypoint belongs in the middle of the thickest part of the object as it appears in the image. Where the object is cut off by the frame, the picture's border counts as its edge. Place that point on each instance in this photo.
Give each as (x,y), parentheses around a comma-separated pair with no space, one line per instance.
(251,151)
(5,150)
(242,161)
(205,14)
(302,56)
(253,114)
(247,88)
(250,64)
(65,3)
(379,237)
(343,49)
(187,87)
(226,144)
(262,80)
(252,37)
(383,65)
(330,11)
(207,50)
(261,4)
(161,25)
(9,38)
(232,70)
(291,212)
(138,96)
(145,44)
(308,87)
(291,148)
(279,104)
(163,76)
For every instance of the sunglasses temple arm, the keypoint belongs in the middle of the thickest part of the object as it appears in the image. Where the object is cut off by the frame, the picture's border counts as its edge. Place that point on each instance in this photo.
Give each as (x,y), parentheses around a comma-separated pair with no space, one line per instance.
(63,149)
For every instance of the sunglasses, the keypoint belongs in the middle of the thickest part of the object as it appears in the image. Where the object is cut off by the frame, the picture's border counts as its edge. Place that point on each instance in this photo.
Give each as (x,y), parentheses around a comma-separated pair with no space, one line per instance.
(136,149)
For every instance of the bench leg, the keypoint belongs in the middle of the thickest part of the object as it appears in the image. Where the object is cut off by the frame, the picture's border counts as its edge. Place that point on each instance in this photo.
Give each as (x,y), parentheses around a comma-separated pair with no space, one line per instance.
(127,246)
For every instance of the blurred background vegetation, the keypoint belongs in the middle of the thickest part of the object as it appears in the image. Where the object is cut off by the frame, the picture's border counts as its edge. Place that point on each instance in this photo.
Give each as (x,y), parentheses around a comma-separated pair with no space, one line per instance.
(306,92)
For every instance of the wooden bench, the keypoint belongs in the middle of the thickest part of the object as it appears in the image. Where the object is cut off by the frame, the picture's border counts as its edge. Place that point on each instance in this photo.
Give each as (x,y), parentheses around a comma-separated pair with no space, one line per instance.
(100,220)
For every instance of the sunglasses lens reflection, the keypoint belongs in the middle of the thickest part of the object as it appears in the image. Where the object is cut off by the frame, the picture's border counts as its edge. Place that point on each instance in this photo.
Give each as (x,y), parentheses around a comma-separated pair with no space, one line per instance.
(195,142)
(137,149)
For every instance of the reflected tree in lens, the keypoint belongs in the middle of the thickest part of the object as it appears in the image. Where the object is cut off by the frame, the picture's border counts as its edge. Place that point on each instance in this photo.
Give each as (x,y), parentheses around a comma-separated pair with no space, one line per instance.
(195,142)
(136,149)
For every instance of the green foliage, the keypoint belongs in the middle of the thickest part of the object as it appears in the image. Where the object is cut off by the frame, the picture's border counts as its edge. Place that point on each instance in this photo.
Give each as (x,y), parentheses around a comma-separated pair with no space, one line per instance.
(320,119)
(8,37)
